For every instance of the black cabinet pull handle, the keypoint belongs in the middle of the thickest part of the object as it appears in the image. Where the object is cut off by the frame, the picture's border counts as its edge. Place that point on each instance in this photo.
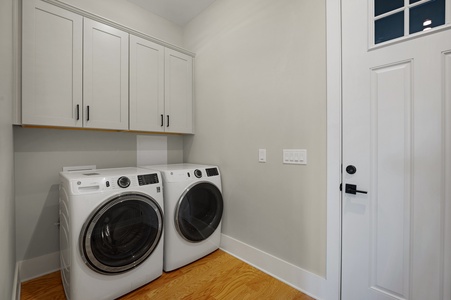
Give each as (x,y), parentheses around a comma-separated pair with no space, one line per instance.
(167,125)
(87,113)
(162,120)
(352,189)
(78,112)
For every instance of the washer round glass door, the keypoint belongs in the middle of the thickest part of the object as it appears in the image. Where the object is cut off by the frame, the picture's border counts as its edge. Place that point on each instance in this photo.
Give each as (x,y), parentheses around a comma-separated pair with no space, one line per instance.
(199,211)
(122,233)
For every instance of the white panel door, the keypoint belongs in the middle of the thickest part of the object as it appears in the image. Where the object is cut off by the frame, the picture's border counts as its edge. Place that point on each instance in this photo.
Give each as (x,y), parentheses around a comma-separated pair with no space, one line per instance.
(178,92)
(105,81)
(146,85)
(396,135)
(51,66)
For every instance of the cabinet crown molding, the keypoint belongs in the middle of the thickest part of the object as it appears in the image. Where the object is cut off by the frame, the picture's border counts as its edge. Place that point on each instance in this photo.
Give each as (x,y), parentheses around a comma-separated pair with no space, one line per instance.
(116,25)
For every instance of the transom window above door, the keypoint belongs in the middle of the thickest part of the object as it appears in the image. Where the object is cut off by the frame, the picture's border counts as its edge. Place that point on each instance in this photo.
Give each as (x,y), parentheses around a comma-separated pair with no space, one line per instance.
(394,19)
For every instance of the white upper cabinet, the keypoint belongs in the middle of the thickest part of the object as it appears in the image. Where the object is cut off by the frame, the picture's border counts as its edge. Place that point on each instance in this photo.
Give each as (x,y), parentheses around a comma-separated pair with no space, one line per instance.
(78,72)
(51,66)
(146,85)
(105,80)
(178,92)
(161,88)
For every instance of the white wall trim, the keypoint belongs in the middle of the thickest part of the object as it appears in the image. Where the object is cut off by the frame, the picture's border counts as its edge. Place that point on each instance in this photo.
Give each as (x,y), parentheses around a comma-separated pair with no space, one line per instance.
(334,97)
(38,266)
(305,281)
(17,62)
(16,284)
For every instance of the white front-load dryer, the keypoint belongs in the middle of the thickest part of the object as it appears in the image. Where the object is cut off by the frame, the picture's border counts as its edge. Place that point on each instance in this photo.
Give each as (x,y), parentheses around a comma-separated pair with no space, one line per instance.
(193,206)
(111,233)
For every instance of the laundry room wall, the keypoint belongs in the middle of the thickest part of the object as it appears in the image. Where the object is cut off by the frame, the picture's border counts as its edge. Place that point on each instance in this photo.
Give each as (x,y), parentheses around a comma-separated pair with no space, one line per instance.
(7,225)
(40,154)
(260,82)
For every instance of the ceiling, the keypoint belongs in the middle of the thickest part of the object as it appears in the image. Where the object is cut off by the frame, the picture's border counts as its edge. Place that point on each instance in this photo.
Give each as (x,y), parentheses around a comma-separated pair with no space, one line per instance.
(177,11)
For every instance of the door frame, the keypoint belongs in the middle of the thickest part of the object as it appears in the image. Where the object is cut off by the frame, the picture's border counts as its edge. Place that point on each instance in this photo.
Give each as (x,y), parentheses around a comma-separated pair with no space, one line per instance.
(334,149)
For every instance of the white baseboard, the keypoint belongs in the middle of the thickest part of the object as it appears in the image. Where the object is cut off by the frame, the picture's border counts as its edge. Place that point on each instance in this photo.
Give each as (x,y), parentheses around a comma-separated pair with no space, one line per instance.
(302,280)
(39,266)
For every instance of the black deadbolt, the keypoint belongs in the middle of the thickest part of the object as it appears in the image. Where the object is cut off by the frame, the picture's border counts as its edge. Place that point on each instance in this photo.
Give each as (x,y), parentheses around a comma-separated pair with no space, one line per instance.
(351,169)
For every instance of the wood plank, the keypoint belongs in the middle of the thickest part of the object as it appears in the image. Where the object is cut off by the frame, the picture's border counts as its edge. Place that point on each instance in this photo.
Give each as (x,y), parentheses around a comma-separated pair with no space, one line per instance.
(216,276)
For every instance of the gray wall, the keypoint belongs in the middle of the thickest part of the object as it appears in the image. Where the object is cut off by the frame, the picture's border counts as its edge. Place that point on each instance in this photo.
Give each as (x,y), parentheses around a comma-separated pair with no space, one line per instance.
(40,154)
(260,82)
(7,245)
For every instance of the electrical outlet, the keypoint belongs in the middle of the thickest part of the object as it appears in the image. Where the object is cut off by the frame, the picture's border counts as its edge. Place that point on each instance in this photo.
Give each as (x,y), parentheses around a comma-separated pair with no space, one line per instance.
(295,156)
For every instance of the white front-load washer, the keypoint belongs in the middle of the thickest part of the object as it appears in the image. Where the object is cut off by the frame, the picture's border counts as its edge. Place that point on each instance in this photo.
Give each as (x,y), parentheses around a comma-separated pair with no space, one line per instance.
(111,232)
(193,206)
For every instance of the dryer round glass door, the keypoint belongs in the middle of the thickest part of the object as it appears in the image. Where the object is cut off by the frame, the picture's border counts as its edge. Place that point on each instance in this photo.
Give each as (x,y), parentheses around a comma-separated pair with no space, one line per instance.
(121,233)
(199,211)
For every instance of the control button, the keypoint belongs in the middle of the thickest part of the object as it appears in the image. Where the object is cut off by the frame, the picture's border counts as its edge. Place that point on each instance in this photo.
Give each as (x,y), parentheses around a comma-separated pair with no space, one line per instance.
(198,173)
(123,182)
(107,184)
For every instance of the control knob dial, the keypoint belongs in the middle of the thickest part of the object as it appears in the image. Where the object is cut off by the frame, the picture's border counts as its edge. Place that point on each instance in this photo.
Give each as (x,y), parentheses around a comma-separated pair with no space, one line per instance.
(123,182)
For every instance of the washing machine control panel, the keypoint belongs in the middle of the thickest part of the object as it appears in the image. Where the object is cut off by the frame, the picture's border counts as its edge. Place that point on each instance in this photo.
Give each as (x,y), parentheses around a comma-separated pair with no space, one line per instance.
(148,179)
(86,186)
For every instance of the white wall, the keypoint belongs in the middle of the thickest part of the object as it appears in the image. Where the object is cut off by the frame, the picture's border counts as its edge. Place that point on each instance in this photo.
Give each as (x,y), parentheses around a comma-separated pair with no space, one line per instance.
(260,82)
(7,245)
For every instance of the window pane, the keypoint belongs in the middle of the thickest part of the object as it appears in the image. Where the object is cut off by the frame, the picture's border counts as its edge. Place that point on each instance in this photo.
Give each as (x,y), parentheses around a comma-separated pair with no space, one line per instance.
(428,15)
(384,6)
(389,28)
(413,1)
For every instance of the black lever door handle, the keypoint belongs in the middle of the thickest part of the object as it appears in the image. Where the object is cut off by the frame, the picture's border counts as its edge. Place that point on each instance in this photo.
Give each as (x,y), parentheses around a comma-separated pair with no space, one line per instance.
(352,189)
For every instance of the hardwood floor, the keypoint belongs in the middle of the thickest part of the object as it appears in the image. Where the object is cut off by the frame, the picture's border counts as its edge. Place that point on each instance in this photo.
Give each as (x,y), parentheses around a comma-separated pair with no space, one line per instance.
(216,276)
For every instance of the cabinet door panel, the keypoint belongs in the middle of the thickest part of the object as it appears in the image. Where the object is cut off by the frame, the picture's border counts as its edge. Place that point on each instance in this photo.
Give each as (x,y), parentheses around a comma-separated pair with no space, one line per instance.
(146,85)
(51,65)
(105,88)
(178,92)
